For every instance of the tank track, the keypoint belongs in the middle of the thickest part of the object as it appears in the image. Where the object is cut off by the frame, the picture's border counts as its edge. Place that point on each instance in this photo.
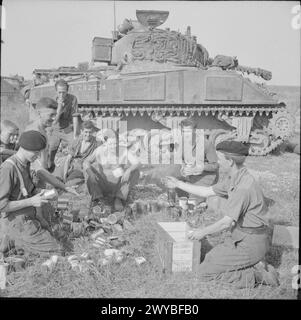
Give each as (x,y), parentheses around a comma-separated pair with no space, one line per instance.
(173,110)
(189,110)
(263,152)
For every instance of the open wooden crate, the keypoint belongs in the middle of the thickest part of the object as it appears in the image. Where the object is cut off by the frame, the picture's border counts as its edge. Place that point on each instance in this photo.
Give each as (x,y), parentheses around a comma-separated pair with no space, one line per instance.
(177,253)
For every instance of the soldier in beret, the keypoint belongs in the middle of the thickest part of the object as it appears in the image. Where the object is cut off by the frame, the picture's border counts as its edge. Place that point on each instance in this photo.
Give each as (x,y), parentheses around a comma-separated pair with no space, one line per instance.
(22,206)
(240,260)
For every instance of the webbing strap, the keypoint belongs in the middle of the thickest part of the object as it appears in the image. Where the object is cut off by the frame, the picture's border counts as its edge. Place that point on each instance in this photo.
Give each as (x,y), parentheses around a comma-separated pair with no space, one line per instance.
(23,190)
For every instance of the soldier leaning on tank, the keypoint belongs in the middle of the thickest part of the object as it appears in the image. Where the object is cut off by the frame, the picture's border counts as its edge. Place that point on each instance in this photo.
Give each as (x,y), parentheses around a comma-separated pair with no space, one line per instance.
(240,259)
(205,175)
(65,126)
(45,115)
(8,139)
(114,177)
(70,169)
(26,216)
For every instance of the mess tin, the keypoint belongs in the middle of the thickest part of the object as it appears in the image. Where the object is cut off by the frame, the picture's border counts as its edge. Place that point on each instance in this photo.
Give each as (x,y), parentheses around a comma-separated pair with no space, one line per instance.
(183,203)
(49,194)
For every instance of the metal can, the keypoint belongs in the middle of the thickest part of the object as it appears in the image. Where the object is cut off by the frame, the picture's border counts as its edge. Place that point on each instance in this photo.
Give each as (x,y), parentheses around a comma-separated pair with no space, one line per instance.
(193,202)
(171,197)
(202,207)
(154,207)
(134,209)
(49,194)
(3,273)
(183,203)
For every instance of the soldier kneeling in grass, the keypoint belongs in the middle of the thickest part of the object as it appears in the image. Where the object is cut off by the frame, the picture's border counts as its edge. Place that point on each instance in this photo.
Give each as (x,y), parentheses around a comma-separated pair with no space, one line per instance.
(240,260)
(23,208)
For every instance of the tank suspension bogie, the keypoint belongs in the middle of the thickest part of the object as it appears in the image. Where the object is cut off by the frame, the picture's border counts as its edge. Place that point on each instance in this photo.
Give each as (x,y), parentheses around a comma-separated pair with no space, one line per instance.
(264,127)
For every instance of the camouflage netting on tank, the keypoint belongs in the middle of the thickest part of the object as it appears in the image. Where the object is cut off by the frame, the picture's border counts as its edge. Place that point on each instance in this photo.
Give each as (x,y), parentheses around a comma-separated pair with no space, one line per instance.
(169,46)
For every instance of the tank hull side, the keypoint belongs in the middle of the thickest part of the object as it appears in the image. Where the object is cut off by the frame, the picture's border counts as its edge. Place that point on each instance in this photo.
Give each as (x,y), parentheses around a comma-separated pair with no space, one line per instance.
(206,87)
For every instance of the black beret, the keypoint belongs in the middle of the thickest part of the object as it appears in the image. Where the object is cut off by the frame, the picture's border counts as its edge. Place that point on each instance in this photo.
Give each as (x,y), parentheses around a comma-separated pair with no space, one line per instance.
(233,147)
(46,102)
(32,141)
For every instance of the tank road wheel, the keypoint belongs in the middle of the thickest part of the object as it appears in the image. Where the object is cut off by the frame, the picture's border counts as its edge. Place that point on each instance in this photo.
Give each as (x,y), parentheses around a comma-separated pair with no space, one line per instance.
(281,125)
(220,135)
(259,143)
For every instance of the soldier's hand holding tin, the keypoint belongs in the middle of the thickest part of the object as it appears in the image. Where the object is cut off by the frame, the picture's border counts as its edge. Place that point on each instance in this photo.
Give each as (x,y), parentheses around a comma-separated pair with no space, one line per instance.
(38,199)
(171,182)
(196,235)
(72,190)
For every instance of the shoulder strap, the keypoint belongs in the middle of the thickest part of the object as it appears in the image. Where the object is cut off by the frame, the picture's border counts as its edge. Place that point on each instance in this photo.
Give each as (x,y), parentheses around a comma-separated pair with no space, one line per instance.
(77,146)
(23,190)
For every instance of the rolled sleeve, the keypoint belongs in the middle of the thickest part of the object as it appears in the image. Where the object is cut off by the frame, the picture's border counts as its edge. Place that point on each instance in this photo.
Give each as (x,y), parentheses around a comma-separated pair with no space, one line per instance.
(6,183)
(237,204)
(221,188)
(211,164)
(74,105)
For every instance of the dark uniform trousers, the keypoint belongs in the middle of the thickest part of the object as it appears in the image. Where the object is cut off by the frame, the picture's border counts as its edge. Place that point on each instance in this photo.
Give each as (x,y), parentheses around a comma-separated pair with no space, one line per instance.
(99,186)
(24,231)
(56,135)
(233,261)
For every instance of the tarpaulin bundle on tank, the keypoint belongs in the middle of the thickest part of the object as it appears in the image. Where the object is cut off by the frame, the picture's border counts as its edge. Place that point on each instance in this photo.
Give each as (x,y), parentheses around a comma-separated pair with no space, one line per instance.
(265,74)
(225,62)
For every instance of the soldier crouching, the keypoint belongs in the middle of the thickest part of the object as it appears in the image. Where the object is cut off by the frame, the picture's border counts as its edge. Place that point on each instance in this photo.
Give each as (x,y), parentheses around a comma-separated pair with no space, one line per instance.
(240,260)
(26,214)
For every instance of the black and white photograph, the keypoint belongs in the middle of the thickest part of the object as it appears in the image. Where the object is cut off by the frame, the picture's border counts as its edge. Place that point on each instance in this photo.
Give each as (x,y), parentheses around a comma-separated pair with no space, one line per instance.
(150,150)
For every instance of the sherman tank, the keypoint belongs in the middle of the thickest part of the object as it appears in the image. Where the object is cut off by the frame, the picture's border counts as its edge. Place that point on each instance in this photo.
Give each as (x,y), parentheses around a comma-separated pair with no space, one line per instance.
(153,78)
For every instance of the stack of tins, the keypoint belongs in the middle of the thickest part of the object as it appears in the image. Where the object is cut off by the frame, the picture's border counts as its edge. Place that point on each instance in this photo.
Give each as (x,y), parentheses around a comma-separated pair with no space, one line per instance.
(63,204)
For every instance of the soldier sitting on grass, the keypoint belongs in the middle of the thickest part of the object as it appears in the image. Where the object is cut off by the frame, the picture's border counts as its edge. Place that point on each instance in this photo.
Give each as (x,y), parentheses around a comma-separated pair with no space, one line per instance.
(239,261)
(114,176)
(70,170)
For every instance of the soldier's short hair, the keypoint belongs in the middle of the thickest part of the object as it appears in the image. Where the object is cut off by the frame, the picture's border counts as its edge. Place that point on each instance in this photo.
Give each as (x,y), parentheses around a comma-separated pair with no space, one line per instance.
(188,123)
(61,83)
(8,125)
(88,124)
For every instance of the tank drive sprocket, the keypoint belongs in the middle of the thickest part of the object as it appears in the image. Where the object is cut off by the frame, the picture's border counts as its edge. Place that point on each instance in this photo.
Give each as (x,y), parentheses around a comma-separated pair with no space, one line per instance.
(281,125)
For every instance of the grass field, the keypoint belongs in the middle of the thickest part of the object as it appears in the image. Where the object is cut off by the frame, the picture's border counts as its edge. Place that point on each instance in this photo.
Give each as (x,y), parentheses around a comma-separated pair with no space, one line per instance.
(279,177)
